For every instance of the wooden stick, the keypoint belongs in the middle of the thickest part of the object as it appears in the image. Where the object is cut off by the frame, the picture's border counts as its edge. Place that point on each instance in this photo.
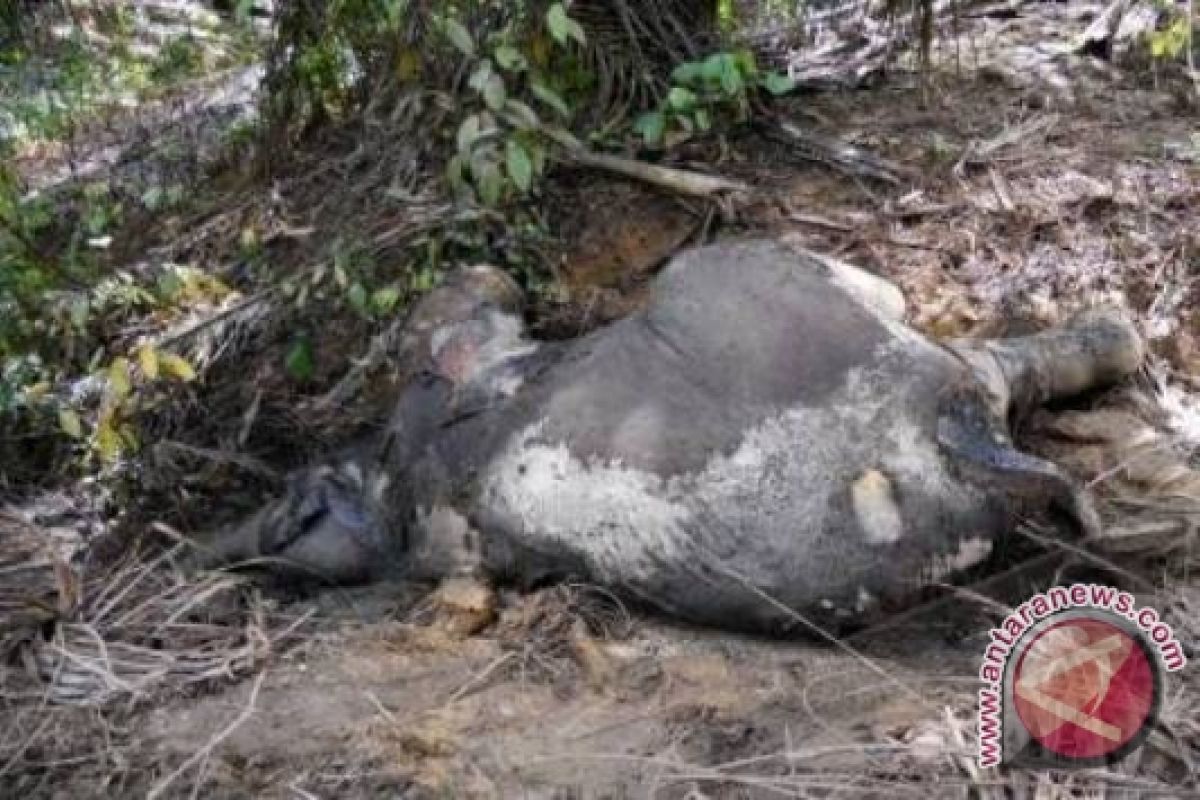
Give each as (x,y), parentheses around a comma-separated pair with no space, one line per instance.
(693,184)
(838,154)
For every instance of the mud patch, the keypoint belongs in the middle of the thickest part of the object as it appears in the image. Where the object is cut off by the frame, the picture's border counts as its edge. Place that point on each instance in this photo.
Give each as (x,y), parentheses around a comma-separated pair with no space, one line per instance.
(615,237)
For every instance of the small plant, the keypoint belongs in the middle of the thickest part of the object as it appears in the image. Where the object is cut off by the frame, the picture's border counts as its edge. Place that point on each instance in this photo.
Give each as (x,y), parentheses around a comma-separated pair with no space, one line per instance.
(180,58)
(703,93)
(501,149)
(131,384)
(1170,41)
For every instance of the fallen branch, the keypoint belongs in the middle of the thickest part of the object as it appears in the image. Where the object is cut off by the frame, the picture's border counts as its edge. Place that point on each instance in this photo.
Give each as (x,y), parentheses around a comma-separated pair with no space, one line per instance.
(692,184)
(820,222)
(836,153)
(981,153)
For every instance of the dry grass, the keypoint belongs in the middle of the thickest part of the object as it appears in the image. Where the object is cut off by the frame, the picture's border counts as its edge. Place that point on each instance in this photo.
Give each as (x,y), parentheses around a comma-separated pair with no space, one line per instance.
(111,640)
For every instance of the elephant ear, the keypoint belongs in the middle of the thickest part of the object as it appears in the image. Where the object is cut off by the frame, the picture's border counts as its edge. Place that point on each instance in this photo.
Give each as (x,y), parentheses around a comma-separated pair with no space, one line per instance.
(978,444)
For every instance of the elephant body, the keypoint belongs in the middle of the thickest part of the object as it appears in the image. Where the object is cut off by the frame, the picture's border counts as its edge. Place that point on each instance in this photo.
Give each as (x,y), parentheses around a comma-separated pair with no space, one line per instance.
(766,442)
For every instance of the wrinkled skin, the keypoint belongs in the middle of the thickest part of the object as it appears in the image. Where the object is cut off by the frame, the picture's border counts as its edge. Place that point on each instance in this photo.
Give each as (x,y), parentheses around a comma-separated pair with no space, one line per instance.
(766,441)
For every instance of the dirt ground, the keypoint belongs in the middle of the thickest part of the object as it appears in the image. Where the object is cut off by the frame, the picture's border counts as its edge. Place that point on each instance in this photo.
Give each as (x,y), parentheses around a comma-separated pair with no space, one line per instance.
(1019,207)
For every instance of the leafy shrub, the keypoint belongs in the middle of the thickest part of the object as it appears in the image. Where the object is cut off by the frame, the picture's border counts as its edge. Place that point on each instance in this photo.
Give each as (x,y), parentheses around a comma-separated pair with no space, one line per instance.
(501,148)
(703,93)
(1172,38)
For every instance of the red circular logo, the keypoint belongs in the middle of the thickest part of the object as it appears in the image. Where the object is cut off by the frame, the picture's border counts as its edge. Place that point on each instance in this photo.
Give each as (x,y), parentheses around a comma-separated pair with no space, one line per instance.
(1085,688)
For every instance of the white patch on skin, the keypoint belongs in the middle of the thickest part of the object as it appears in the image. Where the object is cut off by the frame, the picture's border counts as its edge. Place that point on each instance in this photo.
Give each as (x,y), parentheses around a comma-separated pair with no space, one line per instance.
(876,509)
(498,340)
(380,482)
(508,383)
(560,498)
(506,340)
(970,552)
(440,338)
(354,472)
(864,601)
(772,507)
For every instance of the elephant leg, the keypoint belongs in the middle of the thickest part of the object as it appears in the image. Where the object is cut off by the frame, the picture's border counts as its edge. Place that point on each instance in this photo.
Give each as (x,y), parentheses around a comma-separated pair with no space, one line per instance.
(1096,348)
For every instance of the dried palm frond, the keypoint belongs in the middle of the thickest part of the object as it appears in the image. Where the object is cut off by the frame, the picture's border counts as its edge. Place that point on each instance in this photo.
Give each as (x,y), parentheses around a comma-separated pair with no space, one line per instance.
(121,633)
(37,583)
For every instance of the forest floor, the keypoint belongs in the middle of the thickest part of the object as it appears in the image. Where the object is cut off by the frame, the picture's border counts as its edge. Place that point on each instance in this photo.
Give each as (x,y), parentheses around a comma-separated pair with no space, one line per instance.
(1020,205)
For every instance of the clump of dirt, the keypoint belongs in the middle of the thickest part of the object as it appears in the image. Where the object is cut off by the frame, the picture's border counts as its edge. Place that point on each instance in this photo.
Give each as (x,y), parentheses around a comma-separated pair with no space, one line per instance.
(615,235)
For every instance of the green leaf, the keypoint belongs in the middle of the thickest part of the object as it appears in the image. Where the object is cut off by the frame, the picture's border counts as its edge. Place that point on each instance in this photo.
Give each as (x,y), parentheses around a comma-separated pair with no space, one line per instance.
(147,358)
(357,297)
(562,27)
(80,311)
(384,301)
(551,98)
(494,93)
(119,385)
(703,119)
(651,126)
(777,84)
(746,62)
(537,154)
(242,11)
(490,181)
(153,198)
(520,166)
(521,115)
(480,77)
(468,134)
(299,361)
(731,79)
(714,67)
(68,420)
(460,37)
(556,19)
(108,440)
(576,32)
(456,174)
(177,367)
(681,99)
(510,58)
(687,72)
(129,437)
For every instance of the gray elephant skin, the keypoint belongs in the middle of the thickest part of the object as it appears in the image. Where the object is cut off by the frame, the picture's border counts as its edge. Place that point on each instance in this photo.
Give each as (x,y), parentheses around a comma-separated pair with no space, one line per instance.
(766,443)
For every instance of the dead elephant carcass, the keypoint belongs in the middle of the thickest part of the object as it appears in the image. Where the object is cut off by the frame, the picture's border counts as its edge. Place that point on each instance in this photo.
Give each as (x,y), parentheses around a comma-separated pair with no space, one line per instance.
(766,439)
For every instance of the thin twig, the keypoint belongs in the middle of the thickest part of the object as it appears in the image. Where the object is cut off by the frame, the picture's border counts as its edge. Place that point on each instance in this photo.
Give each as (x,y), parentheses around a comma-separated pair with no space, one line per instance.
(212,745)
